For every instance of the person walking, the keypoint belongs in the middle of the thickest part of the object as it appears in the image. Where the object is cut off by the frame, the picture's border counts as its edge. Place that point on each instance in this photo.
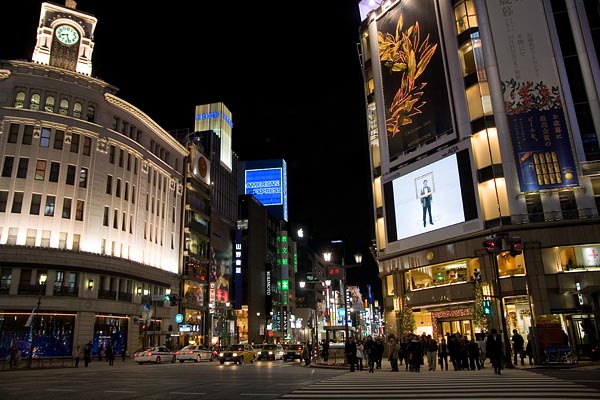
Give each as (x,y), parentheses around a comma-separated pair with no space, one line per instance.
(379,349)
(443,354)
(360,354)
(123,353)
(473,354)
(494,350)
(110,354)
(369,352)
(350,351)
(87,353)
(306,354)
(325,350)
(431,347)
(78,355)
(518,347)
(529,348)
(13,357)
(393,351)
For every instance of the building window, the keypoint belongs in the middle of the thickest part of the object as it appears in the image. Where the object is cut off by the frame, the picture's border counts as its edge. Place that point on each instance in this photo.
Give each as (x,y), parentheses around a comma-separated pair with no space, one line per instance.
(40,170)
(132,194)
(50,204)
(8,166)
(131,224)
(62,240)
(128,161)
(118,188)
(59,137)
(45,137)
(105,217)
(36,202)
(35,102)
(49,107)
(31,235)
(126,193)
(22,168)
(79,210)
(5,279)
(111,154)
(12,236)
(109,184)
(27,135)
(3,200)
(87,145)
(91,114)
(17,203)
(54,171)
(75,143)
(71,175)
(45,242)
(83,173)
(76,240)
(20,100)
(124,222)
(66,211)
(116,219)
(77,108)
(63,109)
(58,281)
(121,158)
(13,133)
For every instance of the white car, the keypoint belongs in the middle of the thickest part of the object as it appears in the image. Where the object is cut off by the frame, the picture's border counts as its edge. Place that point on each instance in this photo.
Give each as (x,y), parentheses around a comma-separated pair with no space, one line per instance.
(157,355)
(270,352)
(194,353)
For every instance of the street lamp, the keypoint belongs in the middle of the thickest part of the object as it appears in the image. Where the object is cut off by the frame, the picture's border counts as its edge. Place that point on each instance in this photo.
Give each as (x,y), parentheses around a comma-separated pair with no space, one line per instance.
(42,281)
(334,272)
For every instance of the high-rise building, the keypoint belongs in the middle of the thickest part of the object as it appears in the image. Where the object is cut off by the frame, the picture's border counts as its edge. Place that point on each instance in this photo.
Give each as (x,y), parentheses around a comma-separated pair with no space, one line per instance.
(483,125)
(90,200)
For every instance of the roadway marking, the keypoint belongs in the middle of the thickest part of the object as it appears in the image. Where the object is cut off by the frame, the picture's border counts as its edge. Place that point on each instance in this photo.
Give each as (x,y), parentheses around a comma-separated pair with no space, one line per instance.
(61,390)
(198,393)
(120,391)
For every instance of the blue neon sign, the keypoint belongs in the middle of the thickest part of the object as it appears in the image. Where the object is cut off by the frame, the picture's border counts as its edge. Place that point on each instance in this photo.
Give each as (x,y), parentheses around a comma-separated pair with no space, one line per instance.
(265,185)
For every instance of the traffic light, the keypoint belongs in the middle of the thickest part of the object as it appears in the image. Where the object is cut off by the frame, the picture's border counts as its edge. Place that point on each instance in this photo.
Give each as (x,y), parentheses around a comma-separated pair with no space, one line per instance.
(487,307)
(515,246)
(173,299)
(493,245)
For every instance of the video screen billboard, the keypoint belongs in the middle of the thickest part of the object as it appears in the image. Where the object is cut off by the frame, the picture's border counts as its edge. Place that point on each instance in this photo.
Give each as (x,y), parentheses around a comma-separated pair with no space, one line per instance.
(265,185)
(430,198)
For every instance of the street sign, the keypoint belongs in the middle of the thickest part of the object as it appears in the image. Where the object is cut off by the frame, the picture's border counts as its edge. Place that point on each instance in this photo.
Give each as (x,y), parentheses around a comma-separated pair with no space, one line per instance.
(157,297)
(145,307)
(179,318)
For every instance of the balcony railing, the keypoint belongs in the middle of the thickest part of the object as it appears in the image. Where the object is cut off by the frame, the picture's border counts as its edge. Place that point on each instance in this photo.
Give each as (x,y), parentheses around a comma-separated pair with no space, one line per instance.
(31,289)
(107,294)
(66,291)
(127,297)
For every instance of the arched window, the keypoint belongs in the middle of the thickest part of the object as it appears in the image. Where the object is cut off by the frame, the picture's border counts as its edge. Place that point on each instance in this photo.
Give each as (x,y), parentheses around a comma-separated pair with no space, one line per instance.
(35,102)
(77,110)
(49,107)
(20,100)
(64,107)
(91,114)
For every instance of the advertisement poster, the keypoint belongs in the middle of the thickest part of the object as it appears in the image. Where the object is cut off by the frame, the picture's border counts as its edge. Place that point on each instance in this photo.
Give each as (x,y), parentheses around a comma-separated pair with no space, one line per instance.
(532,96)
(414,83)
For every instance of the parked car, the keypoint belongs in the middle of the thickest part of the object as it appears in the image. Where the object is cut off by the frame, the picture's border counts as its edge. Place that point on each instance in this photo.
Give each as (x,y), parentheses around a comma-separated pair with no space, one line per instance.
(293,352)
(157,355)
(194,353)
(270,352)
(238,353)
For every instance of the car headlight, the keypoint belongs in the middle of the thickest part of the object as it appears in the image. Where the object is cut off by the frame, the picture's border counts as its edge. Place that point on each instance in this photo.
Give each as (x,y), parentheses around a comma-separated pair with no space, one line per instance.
(221,354)
(235,354)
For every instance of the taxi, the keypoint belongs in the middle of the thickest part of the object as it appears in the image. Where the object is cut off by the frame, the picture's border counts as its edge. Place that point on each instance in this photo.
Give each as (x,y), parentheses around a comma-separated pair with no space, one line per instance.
(238,353)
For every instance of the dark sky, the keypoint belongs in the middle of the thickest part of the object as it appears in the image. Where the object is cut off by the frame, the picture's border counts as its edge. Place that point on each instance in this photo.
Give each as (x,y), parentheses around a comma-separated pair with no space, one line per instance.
(290,75)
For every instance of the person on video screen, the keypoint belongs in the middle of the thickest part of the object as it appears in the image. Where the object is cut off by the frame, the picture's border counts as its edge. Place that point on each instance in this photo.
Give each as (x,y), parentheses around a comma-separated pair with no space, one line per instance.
(426,198)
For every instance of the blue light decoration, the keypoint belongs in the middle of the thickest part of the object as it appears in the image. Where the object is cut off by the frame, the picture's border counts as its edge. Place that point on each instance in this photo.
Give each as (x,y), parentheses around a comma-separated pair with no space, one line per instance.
(265,185)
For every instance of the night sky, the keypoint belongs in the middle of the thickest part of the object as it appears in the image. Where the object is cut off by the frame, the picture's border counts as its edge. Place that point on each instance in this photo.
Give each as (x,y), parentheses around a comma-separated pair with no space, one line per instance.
(288,72)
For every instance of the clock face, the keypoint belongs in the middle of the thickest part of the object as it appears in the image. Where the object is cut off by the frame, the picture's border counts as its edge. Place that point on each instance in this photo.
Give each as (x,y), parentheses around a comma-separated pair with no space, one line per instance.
(67,34)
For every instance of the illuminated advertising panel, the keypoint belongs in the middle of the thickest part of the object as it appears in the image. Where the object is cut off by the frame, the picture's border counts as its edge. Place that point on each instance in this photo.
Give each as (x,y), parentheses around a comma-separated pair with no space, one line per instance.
(417,106)
(238,262)
(200,166)
(532,95)
(430,198)
(266,185)
(217,118)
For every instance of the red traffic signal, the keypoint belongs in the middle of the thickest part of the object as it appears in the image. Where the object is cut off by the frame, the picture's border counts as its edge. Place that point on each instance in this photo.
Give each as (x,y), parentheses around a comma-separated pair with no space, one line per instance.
(516,247)
(493,245)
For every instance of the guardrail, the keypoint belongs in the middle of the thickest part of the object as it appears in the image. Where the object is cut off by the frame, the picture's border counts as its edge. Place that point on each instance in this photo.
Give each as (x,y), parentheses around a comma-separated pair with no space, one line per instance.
(39,363)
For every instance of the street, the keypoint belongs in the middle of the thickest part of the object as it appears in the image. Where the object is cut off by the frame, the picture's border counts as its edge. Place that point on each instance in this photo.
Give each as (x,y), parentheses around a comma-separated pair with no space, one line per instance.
(291,380)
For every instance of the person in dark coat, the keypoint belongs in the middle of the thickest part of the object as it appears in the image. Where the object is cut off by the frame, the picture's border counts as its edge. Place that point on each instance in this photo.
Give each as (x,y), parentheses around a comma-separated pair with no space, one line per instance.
(494,350)
(87,353)
(350,351)
(518,347)
(370,352)
(325,350)
(379,349)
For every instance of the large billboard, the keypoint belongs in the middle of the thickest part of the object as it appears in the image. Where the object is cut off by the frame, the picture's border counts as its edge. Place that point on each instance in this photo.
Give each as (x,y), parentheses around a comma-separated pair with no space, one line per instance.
(417,107)
(430,198)
(266,185)
(532,95)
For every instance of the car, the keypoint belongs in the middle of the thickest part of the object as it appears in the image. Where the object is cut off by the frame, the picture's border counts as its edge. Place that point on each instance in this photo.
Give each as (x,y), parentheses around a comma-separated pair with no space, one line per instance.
(156,354)
(194,353)
(293,352)
(238,353)
(270,352)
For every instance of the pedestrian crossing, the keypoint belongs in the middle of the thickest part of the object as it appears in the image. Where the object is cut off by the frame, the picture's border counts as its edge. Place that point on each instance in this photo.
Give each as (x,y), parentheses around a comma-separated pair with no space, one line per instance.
(511,385)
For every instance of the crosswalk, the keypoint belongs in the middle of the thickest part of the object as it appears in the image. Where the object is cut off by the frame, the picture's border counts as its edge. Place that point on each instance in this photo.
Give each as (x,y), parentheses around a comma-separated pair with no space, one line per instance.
(440,385)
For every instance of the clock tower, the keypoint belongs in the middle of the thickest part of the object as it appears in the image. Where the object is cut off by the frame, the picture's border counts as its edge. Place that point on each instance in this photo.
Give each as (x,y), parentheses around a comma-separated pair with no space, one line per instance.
(65,38)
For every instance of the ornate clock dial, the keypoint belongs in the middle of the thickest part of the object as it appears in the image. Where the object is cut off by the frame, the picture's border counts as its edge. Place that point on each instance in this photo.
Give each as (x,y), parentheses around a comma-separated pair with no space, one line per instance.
(66,34)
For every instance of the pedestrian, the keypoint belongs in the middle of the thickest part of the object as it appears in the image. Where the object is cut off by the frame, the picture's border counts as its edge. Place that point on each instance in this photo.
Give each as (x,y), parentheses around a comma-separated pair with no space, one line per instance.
(350,351)
(306,354)
(494,349)
(87,353)
(432,349)
(518,347)
(473,354)
(360,354)
(480,339)
(100,352)
(393,351)
(13,357)
(123,353)
(379,348)
(78,354)
(325,350)
(529,348)
(369,352)
(110,354)
(443,354)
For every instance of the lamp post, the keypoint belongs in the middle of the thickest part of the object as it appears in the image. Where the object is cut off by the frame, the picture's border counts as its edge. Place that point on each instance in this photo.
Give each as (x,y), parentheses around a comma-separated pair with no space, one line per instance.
(37,321)
(334,271)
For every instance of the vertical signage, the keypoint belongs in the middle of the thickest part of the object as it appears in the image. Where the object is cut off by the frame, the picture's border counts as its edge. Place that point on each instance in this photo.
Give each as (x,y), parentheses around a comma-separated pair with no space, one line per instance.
(268,288)
(238,257)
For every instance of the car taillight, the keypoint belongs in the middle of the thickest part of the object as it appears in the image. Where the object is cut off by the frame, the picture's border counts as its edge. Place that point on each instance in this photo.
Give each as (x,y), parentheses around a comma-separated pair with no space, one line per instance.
(149,353)
(190,352)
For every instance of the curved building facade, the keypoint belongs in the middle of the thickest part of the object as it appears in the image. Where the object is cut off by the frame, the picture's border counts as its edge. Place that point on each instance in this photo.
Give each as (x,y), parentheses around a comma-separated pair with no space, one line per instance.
(91,195)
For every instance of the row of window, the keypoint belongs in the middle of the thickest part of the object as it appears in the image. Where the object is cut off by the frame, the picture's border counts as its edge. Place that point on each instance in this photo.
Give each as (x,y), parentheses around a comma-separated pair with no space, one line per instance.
(49,104)
(41,167)
(35,205)
(43,240)
(60,139)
